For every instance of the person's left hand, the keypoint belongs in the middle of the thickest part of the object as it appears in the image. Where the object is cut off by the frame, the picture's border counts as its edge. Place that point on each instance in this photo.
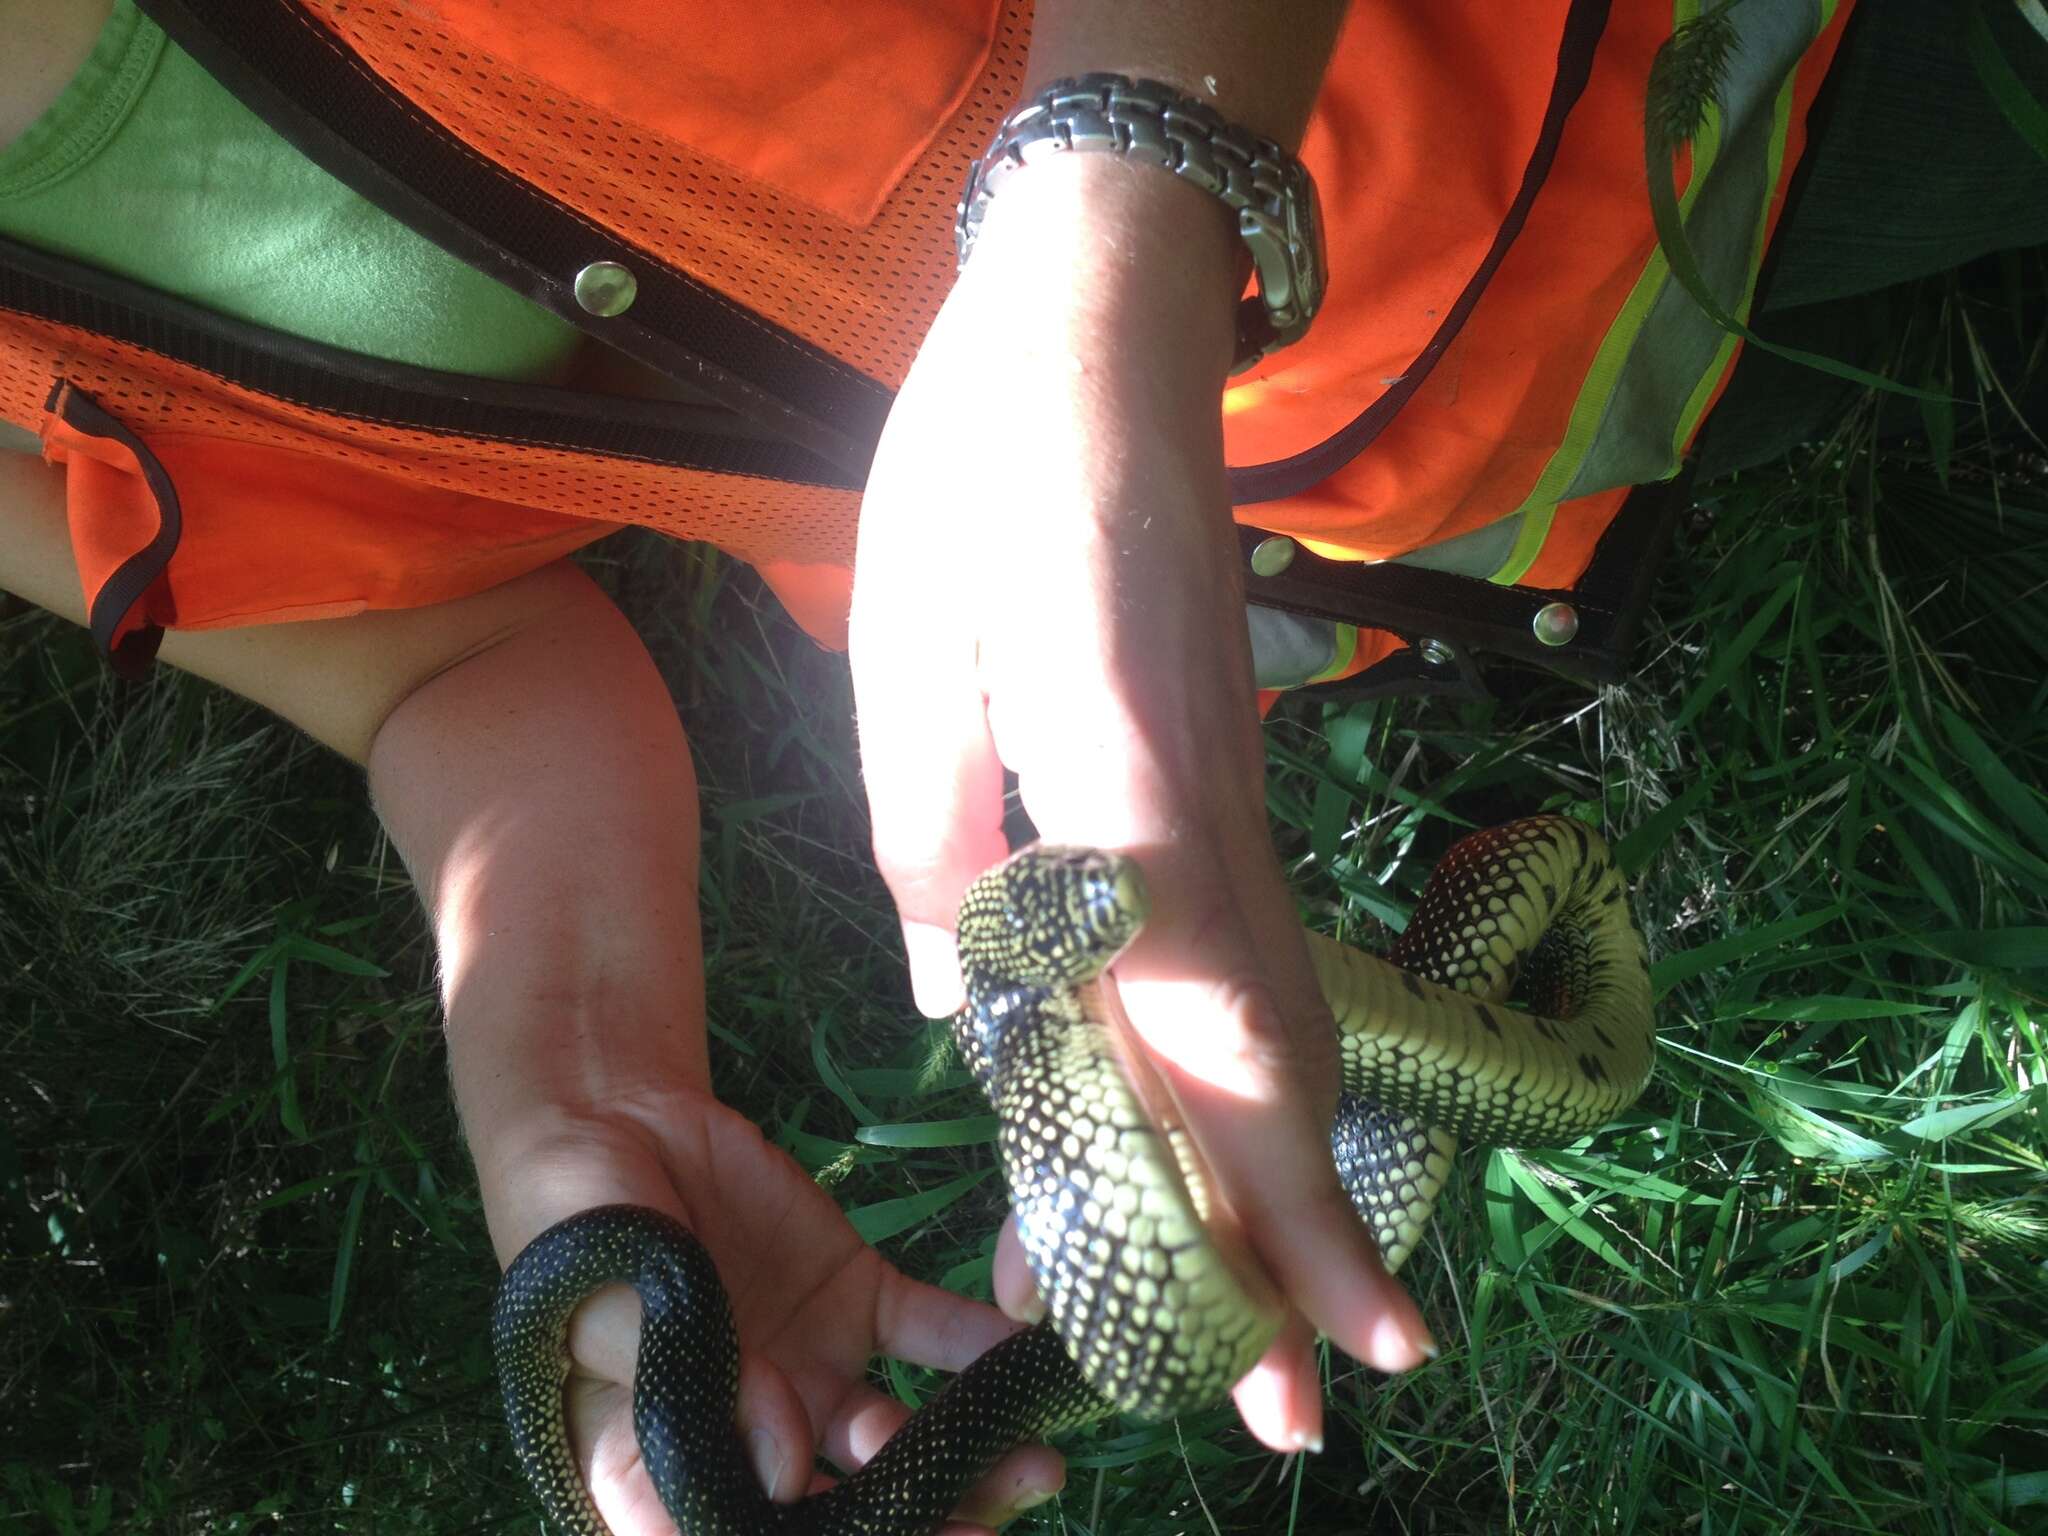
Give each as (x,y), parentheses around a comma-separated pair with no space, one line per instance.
(812,1302)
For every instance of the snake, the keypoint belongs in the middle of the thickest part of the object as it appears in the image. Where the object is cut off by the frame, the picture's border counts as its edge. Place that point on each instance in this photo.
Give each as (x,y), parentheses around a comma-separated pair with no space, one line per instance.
(1150,1308)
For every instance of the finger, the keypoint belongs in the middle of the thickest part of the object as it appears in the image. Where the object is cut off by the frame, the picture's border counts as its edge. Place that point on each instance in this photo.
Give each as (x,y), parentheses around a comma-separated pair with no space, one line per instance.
(774,1428)
(1265,1138)
(1028,1475)
(1399,1337)
(770,1417)
(1256,1079)
(932,1327)
(1016,1290)
(1022,1480)
(1280,1400)
(934,782)
(604,1334)
(608,1451)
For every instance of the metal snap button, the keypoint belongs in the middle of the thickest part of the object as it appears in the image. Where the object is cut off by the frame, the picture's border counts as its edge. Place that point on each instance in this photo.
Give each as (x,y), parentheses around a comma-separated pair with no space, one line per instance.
(1272,556)
(605,288)
(1555,623)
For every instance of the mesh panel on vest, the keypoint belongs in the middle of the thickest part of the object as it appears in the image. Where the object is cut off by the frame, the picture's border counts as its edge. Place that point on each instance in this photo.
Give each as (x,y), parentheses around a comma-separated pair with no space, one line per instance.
(754,519)
(865,295)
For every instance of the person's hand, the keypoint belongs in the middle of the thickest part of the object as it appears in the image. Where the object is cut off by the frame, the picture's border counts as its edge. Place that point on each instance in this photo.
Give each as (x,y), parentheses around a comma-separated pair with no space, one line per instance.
(1048,581)
(812,1302)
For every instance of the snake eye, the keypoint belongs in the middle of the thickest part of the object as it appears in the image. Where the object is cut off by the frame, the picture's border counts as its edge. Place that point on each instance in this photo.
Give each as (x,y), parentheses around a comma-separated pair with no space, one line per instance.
(1106,896)
(1049,916)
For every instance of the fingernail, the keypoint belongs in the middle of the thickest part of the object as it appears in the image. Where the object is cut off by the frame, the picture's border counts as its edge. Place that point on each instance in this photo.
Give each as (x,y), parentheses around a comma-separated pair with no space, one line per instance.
(1395,1347)
(1423,1340)
(1031,1309)
(766,1454)
(1027,1499)
(1305,1441)
(934,969)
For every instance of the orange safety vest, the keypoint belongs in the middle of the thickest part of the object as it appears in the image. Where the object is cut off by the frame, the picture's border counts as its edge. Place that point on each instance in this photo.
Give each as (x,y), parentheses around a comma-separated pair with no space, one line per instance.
(1501,357)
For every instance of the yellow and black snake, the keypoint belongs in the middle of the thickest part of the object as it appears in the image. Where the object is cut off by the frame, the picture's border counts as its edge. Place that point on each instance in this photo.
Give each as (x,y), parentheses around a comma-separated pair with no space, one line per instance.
(1142,1312)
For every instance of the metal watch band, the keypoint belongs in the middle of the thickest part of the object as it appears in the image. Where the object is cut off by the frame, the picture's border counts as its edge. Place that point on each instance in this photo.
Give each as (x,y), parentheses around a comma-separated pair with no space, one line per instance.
(1268,189)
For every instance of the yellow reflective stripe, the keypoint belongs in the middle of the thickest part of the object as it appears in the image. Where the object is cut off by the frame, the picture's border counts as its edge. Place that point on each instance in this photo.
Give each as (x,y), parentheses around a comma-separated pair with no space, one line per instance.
(1346,637)
(1594,410)
(1535,529)
(1704,390)
(1590,409)
(1781,129)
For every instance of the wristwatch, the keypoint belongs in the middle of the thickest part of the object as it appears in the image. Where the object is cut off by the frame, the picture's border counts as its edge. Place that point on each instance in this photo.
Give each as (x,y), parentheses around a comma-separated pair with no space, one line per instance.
(1268,189)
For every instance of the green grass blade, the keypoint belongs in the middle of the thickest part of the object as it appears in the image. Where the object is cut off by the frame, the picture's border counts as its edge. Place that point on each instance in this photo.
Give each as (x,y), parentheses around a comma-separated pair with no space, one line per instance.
(2028,117)
(2022,805)
(1686,964)
(830,1075)
(968,1131)
(1499,1187)
(1941,1124)
(1729,657)
(281,1054)
(1836,1009)
(2022,950)
(1568,1220)
(345,1252)
(1649,837)
(886,1218)
(327,957)
(1669,221)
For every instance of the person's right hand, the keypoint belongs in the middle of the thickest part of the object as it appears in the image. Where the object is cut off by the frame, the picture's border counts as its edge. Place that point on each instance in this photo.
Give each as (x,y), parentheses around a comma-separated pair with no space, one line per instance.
(812,1303)
(1048,581)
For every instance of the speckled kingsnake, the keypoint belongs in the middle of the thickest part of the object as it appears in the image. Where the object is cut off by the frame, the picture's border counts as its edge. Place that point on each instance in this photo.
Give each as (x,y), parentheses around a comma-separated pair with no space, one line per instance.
(1109,1207)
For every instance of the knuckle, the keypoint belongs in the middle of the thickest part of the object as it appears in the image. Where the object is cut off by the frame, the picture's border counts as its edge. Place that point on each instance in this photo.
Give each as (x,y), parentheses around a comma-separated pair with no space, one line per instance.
(916,877)
(1294,1054)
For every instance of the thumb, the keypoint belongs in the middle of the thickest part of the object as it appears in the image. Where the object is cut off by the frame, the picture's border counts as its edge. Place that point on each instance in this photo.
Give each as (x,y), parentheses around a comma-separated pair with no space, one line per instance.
(934,781)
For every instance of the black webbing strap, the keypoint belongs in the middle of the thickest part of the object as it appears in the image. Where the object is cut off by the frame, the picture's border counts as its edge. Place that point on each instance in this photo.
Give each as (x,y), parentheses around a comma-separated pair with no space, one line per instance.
(1584,24)
(317,94)
(131,655)
(324,378)
(1467,615)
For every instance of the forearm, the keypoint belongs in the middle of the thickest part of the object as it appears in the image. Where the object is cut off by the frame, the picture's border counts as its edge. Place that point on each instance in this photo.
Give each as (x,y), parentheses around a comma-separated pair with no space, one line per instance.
(1075,377)
(542,795)
(1130,272)
(529,765)
(1111,288)
(335,679)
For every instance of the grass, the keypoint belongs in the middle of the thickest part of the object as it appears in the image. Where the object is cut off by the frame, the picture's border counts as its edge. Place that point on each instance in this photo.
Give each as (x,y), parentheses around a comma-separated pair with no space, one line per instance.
(1801,1286)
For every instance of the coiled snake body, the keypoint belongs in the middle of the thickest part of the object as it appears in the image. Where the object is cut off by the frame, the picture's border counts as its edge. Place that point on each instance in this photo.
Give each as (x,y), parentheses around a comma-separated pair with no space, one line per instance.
(1144,1313)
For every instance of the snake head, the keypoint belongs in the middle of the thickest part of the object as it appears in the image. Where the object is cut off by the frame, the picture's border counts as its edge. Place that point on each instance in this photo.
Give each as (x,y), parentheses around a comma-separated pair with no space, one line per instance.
(1050,916)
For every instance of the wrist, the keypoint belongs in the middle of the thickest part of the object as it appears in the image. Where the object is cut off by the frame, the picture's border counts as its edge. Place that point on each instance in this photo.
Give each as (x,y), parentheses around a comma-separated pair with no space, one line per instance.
(558,1157)
(521,1061)
(1113,264)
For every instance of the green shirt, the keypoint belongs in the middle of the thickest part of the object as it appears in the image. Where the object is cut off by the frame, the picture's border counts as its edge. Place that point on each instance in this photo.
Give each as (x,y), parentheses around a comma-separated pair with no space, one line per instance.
(147,168)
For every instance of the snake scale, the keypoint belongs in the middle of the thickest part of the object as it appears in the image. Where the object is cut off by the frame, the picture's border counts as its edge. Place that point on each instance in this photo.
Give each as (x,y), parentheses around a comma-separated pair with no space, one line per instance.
(1144,1312)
